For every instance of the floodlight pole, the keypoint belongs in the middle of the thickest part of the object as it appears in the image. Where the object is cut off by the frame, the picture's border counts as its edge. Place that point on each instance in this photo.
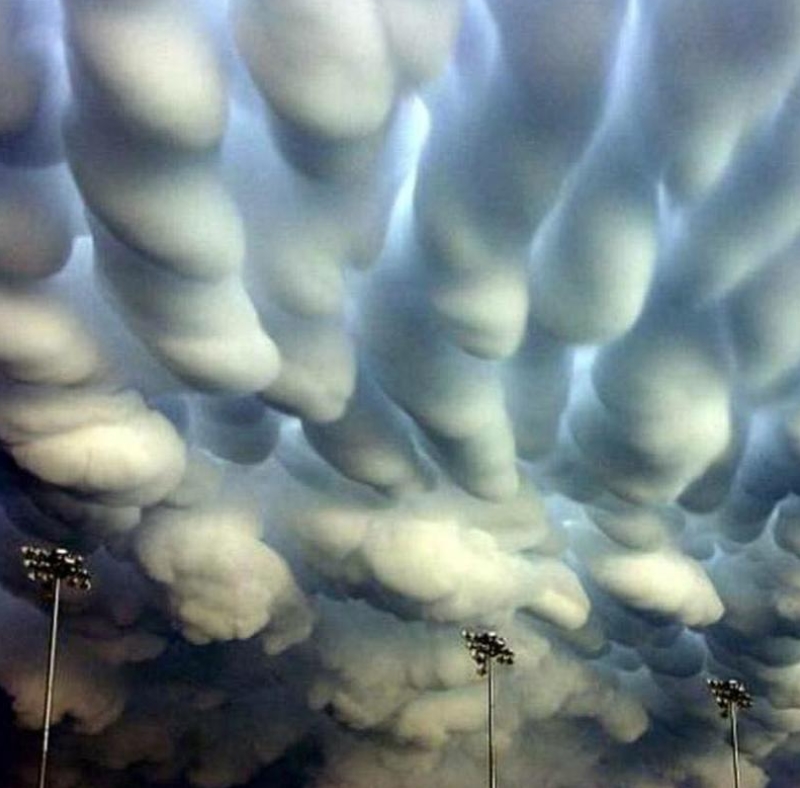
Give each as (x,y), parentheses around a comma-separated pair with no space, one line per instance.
(734,744)
(490,723)
(485,648)
(48,568)
(51,673)
(730,696)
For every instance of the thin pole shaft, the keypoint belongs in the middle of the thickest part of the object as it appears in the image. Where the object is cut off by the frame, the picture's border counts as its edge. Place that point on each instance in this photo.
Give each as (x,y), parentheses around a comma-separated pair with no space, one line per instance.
(490,690)
(51,672)
(735,744)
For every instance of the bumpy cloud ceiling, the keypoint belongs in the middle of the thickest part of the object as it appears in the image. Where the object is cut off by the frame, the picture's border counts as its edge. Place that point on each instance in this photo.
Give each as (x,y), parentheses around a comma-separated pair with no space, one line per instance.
(329,327)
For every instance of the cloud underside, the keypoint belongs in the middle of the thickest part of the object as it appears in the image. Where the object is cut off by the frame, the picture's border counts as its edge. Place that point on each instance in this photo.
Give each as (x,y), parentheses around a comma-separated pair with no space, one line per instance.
(328,330)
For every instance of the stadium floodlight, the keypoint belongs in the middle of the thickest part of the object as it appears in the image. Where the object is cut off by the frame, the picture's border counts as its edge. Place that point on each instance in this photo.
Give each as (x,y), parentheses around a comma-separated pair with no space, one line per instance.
(486,648)
(731,695)
(49,568)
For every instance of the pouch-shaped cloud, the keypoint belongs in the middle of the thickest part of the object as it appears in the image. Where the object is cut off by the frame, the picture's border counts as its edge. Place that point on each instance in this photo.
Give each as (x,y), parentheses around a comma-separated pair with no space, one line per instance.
(426,557)
(659,581)
(32,84)
(35,223)
(656,414)
(364,688)
(65,424)
(327,330)
(180,219)
(166,222)
(222,581)
(111,447)
(456,398)
(335,74)
(370,443)
(700,63)
(485,180)
(297,279)
(592,261)
(317,370)
(746,218)
(344,89)
(762,319)
(214,353)
(769,604)
(333,78)
(21,76)
(151,68)
(536,383)
(43,342)
(635,526)
(766,474)
(542,586)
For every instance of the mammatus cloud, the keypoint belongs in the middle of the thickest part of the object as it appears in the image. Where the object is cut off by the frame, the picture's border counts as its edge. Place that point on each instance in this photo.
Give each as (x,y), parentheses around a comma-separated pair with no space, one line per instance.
(327,330)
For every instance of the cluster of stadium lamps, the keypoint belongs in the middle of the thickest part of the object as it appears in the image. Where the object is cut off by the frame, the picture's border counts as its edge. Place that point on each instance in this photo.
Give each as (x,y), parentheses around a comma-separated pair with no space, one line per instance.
(730,695)
(46,568)
(49,568)
(484,647)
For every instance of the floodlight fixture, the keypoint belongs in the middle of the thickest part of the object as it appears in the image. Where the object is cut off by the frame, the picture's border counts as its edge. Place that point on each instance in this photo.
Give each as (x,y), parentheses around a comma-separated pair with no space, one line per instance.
(485,648)
(730,696)
(49,568)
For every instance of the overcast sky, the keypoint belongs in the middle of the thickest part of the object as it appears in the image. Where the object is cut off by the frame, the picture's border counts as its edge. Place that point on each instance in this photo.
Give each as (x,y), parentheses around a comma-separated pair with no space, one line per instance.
(331,327)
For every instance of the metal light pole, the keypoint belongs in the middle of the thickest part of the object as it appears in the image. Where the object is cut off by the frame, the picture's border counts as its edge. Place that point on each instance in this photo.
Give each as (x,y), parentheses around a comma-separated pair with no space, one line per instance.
(48,569)
(485,648)
(730,695)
